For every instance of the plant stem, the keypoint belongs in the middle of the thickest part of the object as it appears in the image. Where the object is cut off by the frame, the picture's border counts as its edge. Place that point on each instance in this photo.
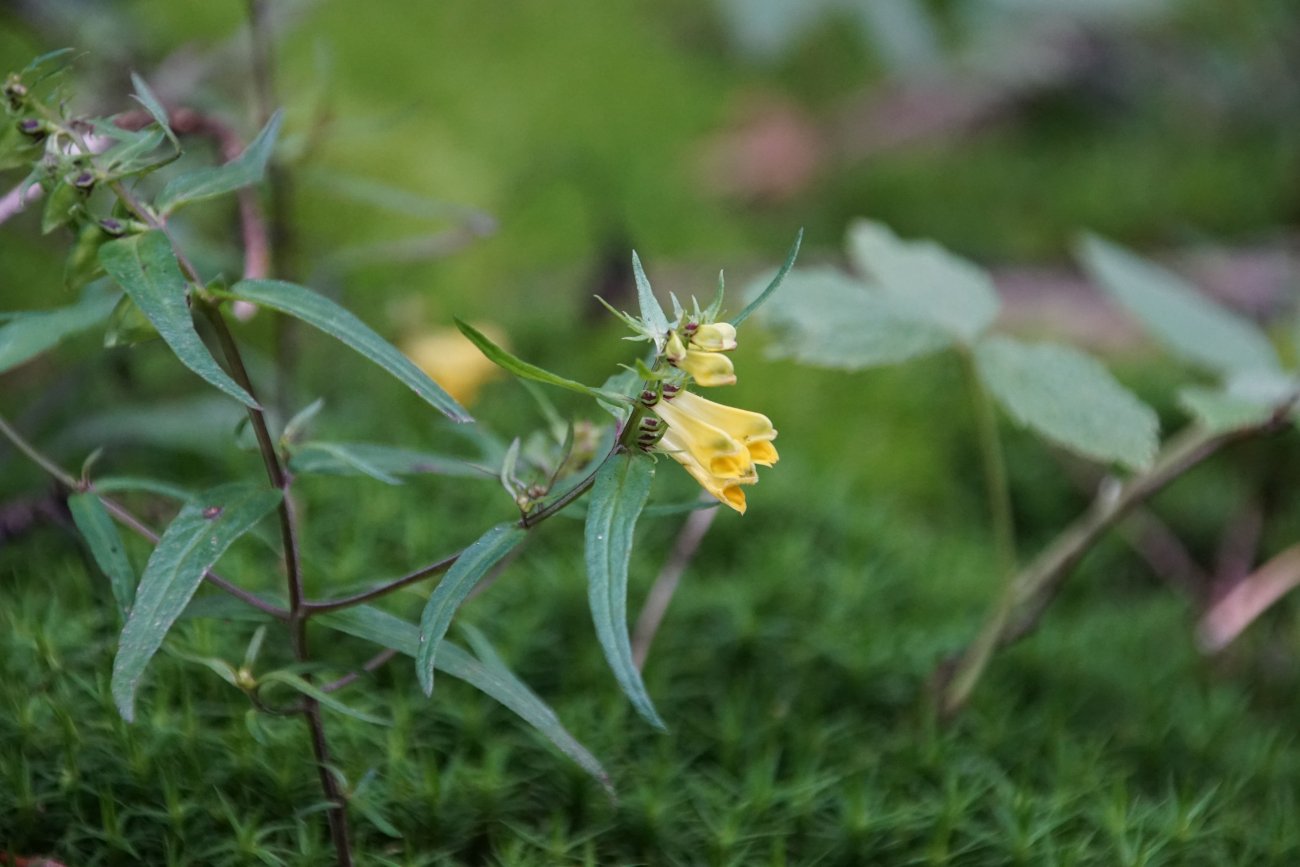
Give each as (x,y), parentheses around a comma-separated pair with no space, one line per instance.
(996,488)
(1027,596)
(129,520)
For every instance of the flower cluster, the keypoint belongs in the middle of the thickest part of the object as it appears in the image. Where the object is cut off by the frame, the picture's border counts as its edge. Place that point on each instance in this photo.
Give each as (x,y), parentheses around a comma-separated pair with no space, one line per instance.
(720,446)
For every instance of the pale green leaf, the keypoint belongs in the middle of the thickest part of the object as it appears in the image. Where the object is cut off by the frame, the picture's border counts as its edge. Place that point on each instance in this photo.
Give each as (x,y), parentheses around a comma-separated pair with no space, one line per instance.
(924,277)
(1219,411)
(616,500)
(384,629)
(145,266)
(97,528)
(152,104)
(1187,322)
(322,313)
(651,311)
(294,681)
(473,563)
(1070,398)
(827,319)
(207,183)
(27,335)
(189,547)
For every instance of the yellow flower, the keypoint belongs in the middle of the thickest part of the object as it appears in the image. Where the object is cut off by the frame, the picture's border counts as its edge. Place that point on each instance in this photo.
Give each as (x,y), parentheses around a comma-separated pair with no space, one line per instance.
(714,337)
(453,362)
(718,445)
(707,368)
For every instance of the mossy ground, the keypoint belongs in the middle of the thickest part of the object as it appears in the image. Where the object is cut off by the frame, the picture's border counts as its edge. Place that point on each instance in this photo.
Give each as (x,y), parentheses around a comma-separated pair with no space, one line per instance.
(793,664)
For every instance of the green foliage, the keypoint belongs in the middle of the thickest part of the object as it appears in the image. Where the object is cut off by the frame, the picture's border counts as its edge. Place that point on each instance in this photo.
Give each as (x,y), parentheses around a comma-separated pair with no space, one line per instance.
(524,370)
(1070,398)
(1183,319)
(145,267)
(207,183)
(96,527)
(467,571)
(322,313)
(620,493)
(192,544)
(27,335)
(380,462)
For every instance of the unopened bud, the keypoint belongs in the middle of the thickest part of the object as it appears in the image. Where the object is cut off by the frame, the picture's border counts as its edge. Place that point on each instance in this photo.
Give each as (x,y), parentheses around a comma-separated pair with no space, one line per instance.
(649,397)
(84,180)
(714,337)
(33,128)
(670,390)
(674,348)
(15,92)
(113,227)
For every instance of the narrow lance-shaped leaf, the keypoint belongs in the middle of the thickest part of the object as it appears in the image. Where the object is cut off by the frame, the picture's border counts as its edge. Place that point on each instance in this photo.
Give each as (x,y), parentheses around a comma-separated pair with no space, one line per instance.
(293,681)
(190,546)
(322,313)
(496,681)
(97,528)
(378,461)
(945,289)
(206,183)
(145,266)
(29,334)
(1070,398)
(761,298)
(651,311)
(519,367)
(451,591)
(146,97)
(1187,322)
(616,500)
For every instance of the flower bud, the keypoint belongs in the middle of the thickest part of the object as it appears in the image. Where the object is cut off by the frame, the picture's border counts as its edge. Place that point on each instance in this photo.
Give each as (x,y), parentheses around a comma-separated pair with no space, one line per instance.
(32,128)
(708,368)
(714,337)
(674,349)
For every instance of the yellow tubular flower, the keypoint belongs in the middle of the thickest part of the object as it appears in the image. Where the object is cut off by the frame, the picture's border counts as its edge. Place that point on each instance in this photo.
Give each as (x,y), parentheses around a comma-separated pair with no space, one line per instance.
(707,368)
(715,337)
(718,445)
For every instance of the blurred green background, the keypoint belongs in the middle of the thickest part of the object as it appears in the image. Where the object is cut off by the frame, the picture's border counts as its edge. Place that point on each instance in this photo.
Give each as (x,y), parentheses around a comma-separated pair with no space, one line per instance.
(791,666)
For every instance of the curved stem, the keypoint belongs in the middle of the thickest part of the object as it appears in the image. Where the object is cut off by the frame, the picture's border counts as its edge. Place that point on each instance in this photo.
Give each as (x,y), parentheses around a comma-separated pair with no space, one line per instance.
(997,490)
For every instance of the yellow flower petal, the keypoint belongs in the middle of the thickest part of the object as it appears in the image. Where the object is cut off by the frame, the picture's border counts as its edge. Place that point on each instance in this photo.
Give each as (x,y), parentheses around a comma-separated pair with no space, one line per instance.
(707,368)
(715,337)
(740,424)
(453,362)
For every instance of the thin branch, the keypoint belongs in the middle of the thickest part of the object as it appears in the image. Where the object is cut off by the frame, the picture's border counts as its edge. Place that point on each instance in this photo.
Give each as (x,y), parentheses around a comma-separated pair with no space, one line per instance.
(665,586)
(370,666)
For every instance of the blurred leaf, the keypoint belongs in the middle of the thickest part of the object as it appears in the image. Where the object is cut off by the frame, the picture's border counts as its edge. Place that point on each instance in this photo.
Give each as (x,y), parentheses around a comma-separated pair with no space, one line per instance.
(494,680)
(522,368)
(128,326)
(114,484)
(923,277)
(60,204)
(1188,323)
(206,183)
(97,528)
(294,681)
(16,149)
(1070,398)
(322,313)
(203,425)
(302,419)
(145,266)
(134,153)
(651,312)
(761,298)
(827,319)
(191,545)
(27,335)
(451,591)
(82,265)
(147,98)
(1219,411)
(616,500)
(377,461)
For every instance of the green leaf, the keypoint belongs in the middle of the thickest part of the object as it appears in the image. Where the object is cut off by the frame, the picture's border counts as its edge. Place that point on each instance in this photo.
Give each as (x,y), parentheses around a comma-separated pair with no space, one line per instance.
(82,265)
(191,545)
(1070,398)
(620,492)
(114,484)
(1219,411)
(207,183)
(380,462)
(61,204)
(322,313)
(1185,321)
(293,681)
(827,319)
(134,154)
(451,591)
(145,266)
(27,335)
(762,297)
(382,628)
(147,98)
(201,425)
(651,311)
(97,528)
(128,326)
(944,289)
(519,367)
(16,149)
